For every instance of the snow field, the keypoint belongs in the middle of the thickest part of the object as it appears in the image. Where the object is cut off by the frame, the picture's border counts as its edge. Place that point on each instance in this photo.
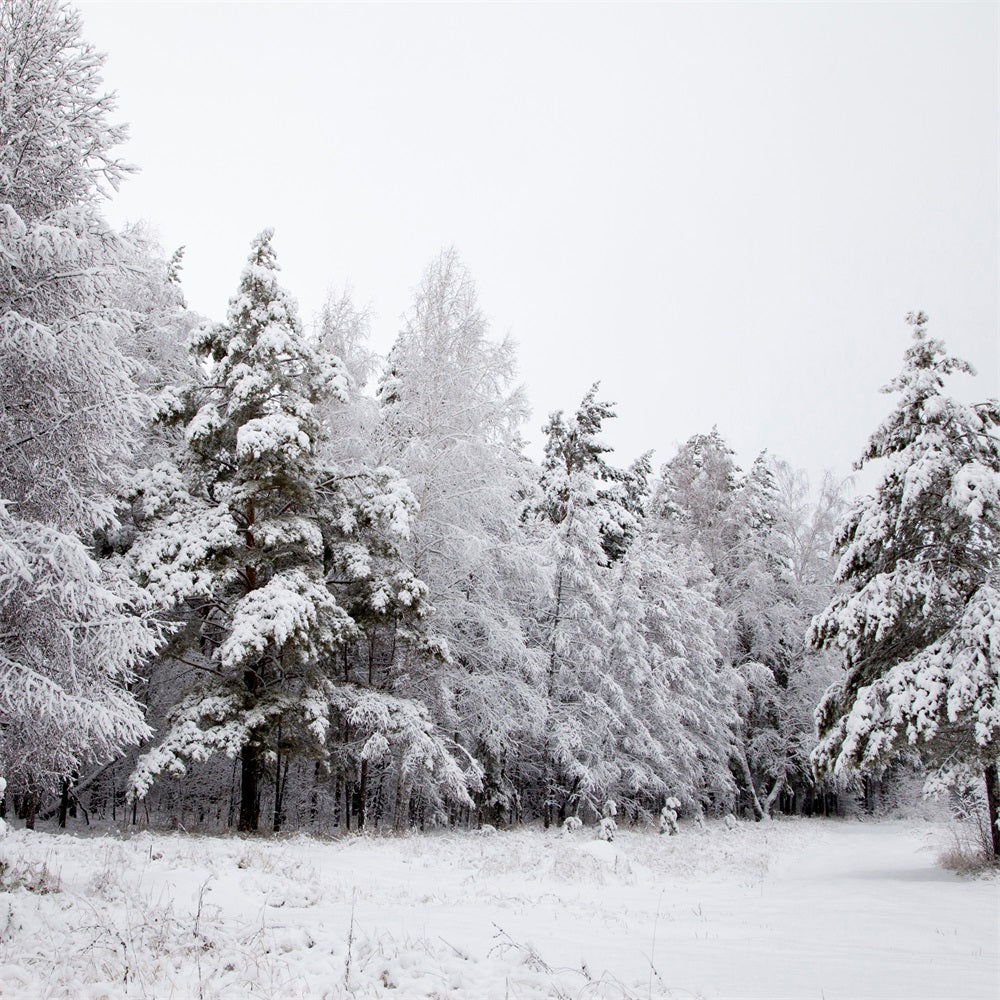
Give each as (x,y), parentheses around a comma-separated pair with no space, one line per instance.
(796,908)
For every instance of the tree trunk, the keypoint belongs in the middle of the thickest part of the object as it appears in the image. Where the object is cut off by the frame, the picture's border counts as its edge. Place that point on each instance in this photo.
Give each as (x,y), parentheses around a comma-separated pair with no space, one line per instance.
(362,795)
(775,794)
(741,759)
(64,804)
(249,789)
(314,796)
(397,809)
(993,805)
(276,810)
(29,808)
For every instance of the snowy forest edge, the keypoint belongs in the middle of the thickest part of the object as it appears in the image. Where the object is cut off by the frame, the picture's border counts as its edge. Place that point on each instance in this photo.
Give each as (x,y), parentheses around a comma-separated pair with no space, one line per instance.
(252,576)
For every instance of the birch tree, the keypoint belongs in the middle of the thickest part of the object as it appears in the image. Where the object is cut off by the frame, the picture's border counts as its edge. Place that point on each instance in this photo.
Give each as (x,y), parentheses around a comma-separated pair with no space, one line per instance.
(69,408)
(449,420)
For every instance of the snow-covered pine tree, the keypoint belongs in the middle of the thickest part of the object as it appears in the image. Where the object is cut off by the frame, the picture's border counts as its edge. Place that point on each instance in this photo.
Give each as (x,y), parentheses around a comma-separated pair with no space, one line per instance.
(68,643)
(918,622)
(584,704)
(664,627)
(249,530)
(450,413)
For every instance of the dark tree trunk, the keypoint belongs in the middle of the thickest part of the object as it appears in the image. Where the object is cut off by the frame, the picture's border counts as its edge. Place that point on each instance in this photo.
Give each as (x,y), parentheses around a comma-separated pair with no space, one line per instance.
(280,784)
(993,805)
(250,770)
(403,818)
(868,788)
(362,795)
(314,796)
(276,812)
(64,804)
(29,808)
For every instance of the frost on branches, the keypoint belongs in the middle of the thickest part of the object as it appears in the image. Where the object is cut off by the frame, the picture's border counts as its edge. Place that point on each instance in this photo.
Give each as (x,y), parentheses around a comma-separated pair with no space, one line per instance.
(593,737)
(449,417)
(736,520)
(664,653)
(917,624)
(68,643)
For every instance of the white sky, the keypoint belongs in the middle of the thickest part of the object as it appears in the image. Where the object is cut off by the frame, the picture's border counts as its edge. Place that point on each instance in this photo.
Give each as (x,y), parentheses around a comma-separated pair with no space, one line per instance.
(722,211)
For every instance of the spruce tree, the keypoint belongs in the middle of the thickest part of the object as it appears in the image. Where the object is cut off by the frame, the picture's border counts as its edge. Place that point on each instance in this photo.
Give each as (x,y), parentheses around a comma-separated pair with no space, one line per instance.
(918,621)
(584,703)
(248,532)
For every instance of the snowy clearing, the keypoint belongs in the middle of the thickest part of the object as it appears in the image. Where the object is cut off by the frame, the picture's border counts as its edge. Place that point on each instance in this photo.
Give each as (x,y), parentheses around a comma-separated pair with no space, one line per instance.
(796,908)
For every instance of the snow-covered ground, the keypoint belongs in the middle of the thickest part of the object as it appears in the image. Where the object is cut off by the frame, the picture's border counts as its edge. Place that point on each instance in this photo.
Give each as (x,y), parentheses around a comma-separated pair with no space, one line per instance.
(796,908)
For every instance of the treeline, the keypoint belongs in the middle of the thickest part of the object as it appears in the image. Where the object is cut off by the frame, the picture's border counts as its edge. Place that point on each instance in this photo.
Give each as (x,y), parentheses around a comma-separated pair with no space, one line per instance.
(371,608)
(252,576)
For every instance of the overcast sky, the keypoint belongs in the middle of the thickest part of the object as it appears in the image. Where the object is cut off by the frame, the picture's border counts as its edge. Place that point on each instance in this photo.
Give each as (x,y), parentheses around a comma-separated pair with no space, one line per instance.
(722,212)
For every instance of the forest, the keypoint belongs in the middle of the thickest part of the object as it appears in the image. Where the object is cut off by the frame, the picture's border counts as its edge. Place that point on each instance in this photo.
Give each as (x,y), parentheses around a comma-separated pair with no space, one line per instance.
(255,578)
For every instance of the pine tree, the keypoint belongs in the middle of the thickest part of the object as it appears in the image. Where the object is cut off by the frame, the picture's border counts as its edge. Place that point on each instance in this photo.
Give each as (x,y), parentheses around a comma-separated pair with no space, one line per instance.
(918,622)
(251,532)
(69,644)
(678,734)
(585,705)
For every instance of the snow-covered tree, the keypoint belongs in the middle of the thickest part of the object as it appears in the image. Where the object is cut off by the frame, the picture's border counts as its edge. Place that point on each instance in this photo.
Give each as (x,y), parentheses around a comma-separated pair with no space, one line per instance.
(69,645)
(276,553)
(450,413)
(585,705)
(344,331)
(918,621)
(735,519)
(159,323)
(806,524)
(678,733)
(808,521)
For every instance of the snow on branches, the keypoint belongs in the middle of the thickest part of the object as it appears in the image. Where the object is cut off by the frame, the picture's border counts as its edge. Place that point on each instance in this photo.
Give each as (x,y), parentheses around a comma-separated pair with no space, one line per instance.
(276,559)
(69,644)
(916,622)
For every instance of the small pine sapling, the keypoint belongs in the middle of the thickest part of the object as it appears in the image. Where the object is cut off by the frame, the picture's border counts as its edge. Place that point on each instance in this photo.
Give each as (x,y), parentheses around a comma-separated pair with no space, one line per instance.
(668,815)
(606,831)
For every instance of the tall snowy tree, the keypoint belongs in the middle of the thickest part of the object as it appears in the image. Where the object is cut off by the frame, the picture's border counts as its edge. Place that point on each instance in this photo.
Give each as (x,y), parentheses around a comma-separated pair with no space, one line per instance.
(677,736)
(69,645)
(450,414)
(806,524)
(252,531)
(918,623)
(160,323)
(585,705)
(734,518)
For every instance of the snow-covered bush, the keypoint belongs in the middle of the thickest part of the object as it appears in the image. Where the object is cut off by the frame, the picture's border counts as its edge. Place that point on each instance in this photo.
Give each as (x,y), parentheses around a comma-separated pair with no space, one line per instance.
(668,815)
(608,827)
